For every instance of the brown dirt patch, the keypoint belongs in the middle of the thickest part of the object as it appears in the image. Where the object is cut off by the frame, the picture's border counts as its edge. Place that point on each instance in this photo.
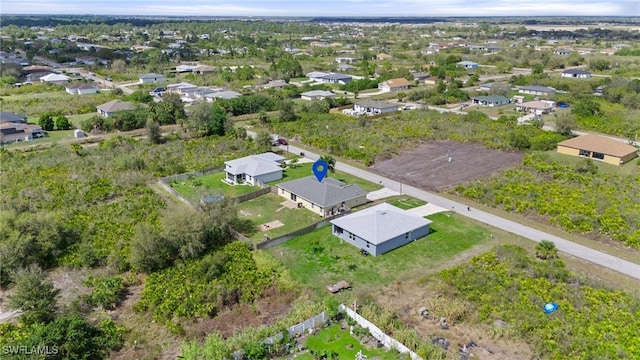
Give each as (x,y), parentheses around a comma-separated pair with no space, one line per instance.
(428,165)
(271,225)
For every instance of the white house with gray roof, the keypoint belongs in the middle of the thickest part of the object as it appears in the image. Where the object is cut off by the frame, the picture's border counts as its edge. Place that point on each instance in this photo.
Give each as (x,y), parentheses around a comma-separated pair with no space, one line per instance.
(373,107)
(380,229)
(325,198)
(152,78)
(317,95)
(252,169)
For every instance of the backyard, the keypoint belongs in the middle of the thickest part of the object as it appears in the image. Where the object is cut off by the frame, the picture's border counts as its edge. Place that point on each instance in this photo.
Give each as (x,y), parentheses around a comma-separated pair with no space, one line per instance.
(319,258)
(195,188)
(273,216)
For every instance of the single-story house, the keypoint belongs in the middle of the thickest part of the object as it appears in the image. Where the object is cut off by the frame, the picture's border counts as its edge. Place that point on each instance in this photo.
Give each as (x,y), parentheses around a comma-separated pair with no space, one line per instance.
(252,169)
(537,90)
(537,107)
(488,86)
(185,68)
(346,60)
(393,85)
(576,73)
(11,132)
(383,56)
(561,52)
(600,148)
(9,117)
(275,84)
(491,101)
(81,89)
(317,95)
(335,78)
(316,75)
(373,107)
(325,198)
(37,75)
(152,78)
(54,78)
(467,64)
(346,67)
(182,88)
(110,108)
(434,80)
(223,94)
(380,229)
(203,69)
(421,76)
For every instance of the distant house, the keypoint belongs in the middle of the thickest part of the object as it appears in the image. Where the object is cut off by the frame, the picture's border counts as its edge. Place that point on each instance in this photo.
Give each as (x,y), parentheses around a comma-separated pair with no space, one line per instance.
(253,169)
(346,67)
(334,78)
(317,95)
(576,73)
(598,148)
(81,89)
(488,86)
(223,94)
(185,68)
(434,80)
(383,56)
(537,90)
(203,69)
(182,88)
(538,107)
(275,84)
(37,75)
(393,85)
(373,107)
(57,79)
(9,117)
(467,64)
(316,75)
(325,198)
(110,108)
(561,52)
(420,76)
(152,78)
(380,229)
(346,60)
(491,101)
(11,132)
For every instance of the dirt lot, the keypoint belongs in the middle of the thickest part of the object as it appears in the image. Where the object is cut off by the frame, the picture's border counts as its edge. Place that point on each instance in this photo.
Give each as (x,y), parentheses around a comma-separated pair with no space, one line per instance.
(439,164)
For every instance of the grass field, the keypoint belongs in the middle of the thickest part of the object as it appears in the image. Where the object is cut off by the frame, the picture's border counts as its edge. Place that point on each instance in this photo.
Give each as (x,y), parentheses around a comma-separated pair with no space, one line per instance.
(404,202)
(319,258)
(194,188)
(268,208)
(303,170)
(334,339)
(506,110)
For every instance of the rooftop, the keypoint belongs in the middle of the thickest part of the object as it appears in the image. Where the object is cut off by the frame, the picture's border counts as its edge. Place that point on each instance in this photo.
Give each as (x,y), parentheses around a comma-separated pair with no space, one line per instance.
(376,104)
(327,193)
(600,144)
(255,165)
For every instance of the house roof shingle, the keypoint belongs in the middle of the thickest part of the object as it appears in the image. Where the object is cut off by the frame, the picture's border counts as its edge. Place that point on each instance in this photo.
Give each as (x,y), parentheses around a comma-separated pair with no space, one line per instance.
(115,105)
(376,104)
(255,165)
(9,117)
(397,82)
(380,223)
(600,144)
(327,193)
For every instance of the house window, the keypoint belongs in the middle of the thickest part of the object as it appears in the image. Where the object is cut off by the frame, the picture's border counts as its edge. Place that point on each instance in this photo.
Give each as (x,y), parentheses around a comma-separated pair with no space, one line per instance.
(337,230)
(313,206)
(282,191)
(352,237)
(585,153)
(367,244)
(406,235)
(598,156)
(294,197)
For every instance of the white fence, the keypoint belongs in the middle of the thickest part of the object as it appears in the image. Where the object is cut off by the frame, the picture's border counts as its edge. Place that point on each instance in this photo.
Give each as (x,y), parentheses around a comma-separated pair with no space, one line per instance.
(385,339)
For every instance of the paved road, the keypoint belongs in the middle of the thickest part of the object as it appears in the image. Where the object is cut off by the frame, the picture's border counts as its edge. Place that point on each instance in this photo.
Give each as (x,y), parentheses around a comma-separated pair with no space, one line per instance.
(566,246)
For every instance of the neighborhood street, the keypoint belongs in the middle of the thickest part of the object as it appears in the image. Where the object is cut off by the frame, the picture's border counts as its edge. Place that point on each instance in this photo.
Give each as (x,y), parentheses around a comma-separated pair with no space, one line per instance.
(566,246)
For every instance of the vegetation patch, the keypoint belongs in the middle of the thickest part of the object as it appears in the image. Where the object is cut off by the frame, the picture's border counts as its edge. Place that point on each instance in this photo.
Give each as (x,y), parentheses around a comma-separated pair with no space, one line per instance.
(194,188)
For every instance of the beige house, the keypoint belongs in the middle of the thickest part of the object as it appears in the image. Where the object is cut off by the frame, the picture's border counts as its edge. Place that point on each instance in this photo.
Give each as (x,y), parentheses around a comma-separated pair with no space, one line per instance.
(393,85)
(325,198)
(600,148)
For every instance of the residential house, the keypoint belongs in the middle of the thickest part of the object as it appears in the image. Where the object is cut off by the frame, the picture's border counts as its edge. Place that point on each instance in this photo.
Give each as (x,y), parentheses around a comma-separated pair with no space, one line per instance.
(345,67)
(561,52)
(537,90)
(183,68)
(317,95)
(11,132)
(383,56)
(81,89)
(576,73)
(316,75)
(182,88)
(325,198)
(467,64)
(491,101)
(54,78)
(110,108)
(36,76)
(275,84)
(538,107)
(373,107)
(334,78)
(346,60)
(394,85)
(488,86)
(600,148)
(434,80)
(380,229)
(222,94)
(420,76)
(152,78)
(203,69)
(254,169)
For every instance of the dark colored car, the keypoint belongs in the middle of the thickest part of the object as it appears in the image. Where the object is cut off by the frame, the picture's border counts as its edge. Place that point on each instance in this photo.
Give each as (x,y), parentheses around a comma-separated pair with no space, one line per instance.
(282,141)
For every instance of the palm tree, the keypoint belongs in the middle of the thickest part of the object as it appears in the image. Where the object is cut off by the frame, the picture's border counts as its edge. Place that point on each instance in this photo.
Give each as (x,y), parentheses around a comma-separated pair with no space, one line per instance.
(331,162)
(546,250)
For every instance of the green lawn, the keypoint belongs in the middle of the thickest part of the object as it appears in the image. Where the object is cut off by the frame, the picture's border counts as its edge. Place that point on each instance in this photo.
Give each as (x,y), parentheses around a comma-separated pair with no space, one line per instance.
(319,258)
(404,202)
(194,189)
(334,339)
(77,119)
(303,170)
(268,208)
(506,110)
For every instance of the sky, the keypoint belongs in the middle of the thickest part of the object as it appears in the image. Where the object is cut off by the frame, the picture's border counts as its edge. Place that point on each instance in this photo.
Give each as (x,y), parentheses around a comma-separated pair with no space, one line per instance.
(258,8)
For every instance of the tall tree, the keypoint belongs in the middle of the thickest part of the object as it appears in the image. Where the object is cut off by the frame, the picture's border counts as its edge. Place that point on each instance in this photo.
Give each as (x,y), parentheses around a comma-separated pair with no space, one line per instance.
(287,111)
(218,120)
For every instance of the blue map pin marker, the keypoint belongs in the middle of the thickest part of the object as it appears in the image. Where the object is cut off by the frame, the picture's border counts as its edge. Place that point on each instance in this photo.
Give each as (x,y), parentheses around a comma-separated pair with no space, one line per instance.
(320,168)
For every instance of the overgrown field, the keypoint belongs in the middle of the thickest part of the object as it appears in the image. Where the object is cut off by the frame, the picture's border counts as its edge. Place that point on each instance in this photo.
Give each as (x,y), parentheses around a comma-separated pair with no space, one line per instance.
(506,284)
(33,105)
(604,204)
(369,140)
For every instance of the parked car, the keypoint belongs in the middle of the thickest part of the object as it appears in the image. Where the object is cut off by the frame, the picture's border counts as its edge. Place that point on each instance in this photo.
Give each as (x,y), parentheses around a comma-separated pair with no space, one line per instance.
(108,78)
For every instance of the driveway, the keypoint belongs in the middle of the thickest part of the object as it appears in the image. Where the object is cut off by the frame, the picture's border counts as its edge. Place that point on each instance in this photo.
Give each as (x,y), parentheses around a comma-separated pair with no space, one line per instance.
(582,252)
